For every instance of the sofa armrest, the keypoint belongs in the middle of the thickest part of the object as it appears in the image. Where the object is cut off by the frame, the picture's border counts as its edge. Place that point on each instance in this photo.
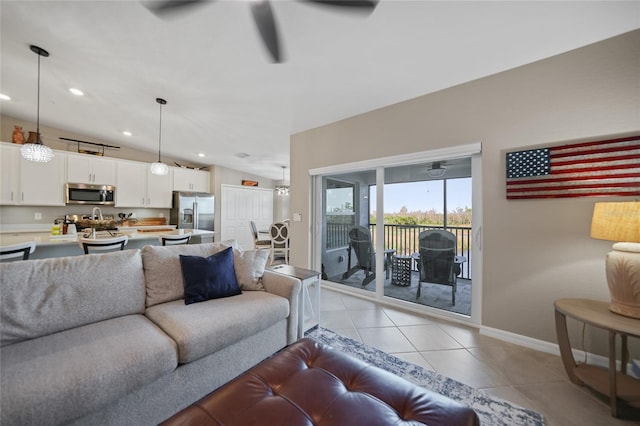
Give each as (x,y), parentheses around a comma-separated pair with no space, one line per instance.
(289,288)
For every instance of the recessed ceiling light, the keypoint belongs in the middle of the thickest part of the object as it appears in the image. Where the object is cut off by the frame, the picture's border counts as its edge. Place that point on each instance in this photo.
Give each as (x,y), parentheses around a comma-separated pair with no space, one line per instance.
(127,133)
(5,97)
(200,154)
(242,155)
(76,92)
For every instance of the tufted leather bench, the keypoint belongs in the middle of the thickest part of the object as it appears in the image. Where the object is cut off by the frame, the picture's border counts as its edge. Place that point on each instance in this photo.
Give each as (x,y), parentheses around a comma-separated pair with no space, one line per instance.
(308,383)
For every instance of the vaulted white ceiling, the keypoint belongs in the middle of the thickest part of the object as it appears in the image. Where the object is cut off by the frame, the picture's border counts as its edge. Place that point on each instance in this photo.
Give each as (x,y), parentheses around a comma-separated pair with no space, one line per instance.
(226,97)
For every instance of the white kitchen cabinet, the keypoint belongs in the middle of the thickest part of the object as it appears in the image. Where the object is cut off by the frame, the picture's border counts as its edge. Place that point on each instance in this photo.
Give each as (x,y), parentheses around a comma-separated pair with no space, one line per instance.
(9,174)
(190,180)
(137,187)
(131,184)
(91,169)
(159,190)
(42,184)
(28,183)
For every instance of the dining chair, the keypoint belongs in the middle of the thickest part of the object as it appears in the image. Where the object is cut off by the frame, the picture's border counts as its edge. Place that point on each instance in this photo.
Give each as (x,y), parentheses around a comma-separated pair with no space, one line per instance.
(15,251)
(257,242)
(103,244)
(173,240)
(279,233)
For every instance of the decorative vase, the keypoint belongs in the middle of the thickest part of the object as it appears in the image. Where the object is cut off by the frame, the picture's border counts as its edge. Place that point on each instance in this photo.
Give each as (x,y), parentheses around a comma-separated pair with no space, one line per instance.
(18,136)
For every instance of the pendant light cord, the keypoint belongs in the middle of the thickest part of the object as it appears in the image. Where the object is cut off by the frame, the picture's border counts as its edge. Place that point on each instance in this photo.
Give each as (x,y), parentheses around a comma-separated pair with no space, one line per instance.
(38,104)
(161,102)
(160,135)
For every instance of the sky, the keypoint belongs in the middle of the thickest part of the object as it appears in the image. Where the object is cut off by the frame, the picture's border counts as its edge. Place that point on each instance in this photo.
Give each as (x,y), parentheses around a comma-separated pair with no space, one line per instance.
(424,195)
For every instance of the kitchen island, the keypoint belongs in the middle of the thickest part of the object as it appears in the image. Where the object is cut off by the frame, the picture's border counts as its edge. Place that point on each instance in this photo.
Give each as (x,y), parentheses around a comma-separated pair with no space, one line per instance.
(48,245)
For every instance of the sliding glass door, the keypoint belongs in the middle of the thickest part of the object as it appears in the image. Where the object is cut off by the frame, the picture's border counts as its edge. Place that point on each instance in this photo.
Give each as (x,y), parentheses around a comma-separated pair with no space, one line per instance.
(372,222)
(348,255)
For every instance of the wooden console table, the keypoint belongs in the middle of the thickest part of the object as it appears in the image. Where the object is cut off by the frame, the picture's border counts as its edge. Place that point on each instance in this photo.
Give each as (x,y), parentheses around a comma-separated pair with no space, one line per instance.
(617,385)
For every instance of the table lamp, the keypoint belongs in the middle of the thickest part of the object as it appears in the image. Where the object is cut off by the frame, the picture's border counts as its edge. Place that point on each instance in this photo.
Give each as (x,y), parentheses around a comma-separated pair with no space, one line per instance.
(621,222)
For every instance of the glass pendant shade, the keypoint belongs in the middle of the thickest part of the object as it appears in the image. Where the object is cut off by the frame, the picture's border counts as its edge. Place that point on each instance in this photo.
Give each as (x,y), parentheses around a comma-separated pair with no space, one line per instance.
(34,150)
(282,189)
(159,168)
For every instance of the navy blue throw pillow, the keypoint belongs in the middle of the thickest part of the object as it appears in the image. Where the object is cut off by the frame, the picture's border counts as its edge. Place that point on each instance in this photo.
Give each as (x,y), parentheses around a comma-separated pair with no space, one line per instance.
(207,278)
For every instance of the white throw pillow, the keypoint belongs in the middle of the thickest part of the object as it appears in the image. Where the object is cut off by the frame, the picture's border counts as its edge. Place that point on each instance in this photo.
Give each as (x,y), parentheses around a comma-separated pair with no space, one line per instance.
(249,266)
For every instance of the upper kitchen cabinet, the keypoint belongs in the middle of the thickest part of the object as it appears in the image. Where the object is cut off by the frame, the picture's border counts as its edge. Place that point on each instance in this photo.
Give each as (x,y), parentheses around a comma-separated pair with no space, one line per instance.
(29,183)
(190,180)
(137,187)
(9,174)
(42,184)
(90,169)
(159,188)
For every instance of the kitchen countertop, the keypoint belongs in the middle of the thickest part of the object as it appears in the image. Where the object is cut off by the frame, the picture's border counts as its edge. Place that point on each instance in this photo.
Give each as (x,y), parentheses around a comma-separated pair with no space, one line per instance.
(43,238)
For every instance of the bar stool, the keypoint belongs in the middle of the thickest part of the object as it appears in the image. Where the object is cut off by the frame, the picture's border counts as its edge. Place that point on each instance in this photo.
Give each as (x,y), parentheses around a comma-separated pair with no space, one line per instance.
(173,240)
(14,251)
(103,243)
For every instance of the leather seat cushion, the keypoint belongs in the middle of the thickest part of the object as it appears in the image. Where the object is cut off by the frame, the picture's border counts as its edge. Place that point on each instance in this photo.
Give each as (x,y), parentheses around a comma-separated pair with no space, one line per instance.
(308,383)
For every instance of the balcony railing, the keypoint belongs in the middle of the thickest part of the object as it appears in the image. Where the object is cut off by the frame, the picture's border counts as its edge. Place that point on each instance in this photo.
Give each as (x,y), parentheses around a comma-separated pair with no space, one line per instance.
(405,240)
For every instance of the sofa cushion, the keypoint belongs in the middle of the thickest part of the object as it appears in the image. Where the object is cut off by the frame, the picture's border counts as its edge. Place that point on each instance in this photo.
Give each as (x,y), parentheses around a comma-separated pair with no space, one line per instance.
(162,273)
(207,278)
(249,267)
(64,375)
(41,297)
(200,329)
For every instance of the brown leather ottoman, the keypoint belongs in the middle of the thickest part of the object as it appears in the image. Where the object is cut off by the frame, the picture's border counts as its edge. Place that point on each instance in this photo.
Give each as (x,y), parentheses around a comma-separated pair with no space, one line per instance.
(308,383)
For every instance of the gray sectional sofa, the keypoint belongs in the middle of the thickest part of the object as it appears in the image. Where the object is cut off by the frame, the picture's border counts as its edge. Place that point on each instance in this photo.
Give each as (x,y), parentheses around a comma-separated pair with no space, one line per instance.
(107,339)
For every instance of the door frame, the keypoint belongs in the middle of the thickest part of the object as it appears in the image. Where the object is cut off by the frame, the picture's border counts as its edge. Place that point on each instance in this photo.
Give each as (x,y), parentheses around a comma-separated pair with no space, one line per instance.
(472,150)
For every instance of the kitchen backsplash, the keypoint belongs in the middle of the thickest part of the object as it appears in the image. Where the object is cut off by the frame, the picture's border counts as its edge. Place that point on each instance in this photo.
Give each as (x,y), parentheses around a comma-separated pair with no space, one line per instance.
(19,215)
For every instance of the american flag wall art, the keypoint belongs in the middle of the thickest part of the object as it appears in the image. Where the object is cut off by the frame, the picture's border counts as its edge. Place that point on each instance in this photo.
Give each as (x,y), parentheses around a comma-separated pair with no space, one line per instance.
(597,168)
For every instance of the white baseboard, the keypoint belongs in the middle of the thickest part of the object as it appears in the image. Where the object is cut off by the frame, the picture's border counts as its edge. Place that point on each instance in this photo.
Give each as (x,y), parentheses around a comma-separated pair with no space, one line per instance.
(551,348)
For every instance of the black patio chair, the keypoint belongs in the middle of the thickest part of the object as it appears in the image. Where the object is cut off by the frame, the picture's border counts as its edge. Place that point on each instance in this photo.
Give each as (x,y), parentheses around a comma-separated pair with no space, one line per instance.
(437,260)
(360,243)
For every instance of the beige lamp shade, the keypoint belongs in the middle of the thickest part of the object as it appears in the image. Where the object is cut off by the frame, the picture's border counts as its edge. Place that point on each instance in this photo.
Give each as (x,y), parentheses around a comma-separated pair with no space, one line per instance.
(621,222)
(616,222)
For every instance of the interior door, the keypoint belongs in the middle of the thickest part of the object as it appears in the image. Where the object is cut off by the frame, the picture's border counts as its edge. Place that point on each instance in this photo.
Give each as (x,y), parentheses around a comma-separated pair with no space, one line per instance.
(239,206)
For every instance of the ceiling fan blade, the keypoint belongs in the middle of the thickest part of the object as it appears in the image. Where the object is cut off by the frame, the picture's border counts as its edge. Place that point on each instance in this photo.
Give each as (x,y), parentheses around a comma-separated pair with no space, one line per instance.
(366,6)
(263,16)
(164,7)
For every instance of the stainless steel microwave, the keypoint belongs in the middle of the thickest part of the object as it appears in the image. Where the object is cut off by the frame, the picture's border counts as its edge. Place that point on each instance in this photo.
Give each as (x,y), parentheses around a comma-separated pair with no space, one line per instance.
(83,193)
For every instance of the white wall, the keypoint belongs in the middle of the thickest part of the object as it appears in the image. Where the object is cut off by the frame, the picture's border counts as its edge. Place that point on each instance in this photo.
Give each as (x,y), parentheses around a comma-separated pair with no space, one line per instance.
(535,251)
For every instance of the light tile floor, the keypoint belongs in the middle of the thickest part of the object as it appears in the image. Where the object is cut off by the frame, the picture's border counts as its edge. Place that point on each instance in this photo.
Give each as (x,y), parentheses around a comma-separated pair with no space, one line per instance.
(531,379)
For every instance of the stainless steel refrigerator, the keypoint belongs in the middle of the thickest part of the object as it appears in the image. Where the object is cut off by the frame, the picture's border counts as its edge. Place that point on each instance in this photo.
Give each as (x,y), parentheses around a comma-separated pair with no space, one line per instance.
(192,210)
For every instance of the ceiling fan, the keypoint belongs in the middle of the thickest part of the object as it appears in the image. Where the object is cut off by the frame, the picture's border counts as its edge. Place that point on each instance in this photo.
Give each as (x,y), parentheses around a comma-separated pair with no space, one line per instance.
(262,15)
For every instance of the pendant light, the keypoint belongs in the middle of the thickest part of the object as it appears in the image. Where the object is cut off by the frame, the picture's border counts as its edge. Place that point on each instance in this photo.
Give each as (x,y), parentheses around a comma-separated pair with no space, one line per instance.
(282,189)
(34,149)
(159,168)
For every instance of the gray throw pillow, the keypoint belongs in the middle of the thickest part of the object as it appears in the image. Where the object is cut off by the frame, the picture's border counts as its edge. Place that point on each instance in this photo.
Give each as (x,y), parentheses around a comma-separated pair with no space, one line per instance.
(249,267)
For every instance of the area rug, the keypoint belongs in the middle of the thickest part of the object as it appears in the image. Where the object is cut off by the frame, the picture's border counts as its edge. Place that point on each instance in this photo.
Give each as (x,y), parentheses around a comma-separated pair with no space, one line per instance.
(491,410)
